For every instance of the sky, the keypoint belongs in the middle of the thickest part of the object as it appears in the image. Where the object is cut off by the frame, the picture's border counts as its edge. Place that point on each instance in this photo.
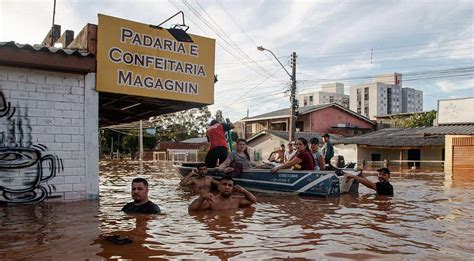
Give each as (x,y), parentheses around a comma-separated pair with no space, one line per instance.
(430,42)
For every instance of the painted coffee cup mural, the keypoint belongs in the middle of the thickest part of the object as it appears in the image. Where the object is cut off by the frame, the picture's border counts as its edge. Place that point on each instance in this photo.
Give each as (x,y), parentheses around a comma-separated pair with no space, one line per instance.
(25,168)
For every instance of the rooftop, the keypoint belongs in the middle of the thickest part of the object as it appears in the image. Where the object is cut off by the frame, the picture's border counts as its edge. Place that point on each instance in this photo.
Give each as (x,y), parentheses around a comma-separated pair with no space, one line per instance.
(285,113)
(396,137)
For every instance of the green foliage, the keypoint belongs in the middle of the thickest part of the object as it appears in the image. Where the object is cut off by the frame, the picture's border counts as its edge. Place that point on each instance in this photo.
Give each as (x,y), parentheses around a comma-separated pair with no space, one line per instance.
(419,119)
(182,125)
(170,127)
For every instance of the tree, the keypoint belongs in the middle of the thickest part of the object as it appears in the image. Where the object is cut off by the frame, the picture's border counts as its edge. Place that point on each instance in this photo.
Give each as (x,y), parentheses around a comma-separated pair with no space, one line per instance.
(418,119)
(182,125)
(421,119)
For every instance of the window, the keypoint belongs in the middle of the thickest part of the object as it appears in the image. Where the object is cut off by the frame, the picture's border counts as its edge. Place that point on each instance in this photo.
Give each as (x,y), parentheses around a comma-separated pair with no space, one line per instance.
(366,93)
(375,157)
(311,98)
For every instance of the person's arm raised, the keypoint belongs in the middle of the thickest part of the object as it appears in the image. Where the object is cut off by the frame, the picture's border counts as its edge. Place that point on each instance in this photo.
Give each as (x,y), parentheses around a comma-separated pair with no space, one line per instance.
(187,180)
(249,197)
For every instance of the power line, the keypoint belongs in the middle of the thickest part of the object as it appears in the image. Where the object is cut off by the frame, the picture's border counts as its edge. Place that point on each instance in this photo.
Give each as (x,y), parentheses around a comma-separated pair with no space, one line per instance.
(222,35)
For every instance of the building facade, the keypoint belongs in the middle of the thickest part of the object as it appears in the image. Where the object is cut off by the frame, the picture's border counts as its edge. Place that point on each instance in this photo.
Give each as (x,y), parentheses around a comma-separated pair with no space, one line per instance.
(48,121)
(327,118)
(412,100)
(376,98)
(330,93)
(385,96)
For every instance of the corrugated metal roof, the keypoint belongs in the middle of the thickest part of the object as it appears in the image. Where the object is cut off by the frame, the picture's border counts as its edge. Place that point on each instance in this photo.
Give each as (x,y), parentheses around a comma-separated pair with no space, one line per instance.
(195,140)
(395,137)
(303,110)
(306,135)
(467,129)
(41,48)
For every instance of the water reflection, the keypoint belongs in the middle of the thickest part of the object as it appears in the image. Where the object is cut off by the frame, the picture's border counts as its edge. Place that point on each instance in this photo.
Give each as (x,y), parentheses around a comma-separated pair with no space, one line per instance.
(425,219)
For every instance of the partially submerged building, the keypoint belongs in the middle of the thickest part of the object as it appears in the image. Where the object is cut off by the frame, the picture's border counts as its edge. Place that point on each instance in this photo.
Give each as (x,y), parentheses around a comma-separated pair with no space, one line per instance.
(327,118)
(53,101)
(448,146)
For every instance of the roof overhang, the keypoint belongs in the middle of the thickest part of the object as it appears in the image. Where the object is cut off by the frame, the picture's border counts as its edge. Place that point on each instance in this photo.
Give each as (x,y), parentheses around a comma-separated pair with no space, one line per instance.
(45,60)
(119,108)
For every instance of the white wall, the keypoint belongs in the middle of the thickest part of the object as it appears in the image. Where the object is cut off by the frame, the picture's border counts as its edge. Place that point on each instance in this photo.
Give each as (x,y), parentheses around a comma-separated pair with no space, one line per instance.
(266,144)
(60,112)
(349,151)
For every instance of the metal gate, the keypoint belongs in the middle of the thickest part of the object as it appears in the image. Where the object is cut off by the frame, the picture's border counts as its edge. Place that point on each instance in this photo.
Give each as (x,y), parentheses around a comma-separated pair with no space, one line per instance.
(463,154)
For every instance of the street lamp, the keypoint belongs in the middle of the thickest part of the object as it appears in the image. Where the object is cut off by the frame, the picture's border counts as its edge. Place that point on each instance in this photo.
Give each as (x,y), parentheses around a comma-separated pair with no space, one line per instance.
(293,105)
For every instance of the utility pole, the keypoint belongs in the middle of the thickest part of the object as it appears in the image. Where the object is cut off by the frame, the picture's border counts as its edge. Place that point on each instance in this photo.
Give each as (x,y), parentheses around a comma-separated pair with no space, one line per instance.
(140,141)
(293,104)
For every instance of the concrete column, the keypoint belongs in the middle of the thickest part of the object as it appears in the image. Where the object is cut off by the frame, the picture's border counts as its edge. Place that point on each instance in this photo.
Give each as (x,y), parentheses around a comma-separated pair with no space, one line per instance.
(91,131)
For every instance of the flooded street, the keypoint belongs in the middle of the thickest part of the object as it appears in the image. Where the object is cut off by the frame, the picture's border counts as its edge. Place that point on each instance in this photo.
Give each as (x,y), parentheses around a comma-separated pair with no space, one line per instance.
(430,217)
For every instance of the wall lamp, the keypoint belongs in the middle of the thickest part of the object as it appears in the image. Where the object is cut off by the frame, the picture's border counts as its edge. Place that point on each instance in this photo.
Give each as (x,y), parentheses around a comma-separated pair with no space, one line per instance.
(178,31)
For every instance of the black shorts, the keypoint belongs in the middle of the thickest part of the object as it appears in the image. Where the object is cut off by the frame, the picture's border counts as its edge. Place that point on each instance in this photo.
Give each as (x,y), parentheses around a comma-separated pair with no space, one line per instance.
(214,154)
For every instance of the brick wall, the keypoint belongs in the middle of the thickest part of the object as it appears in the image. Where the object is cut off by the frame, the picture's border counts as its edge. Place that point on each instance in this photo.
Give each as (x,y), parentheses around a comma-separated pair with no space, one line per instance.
(43,125)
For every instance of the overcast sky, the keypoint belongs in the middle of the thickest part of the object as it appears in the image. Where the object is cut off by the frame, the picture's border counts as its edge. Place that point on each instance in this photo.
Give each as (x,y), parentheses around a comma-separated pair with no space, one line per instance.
(430,42)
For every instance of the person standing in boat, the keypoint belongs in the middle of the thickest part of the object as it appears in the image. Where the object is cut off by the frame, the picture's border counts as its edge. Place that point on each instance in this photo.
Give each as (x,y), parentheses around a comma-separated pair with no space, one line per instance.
(317,156)
(303,159)
(290,153)
(225,200)
(383,187)
(218,149)
(240,155)
(328,149)
(200,184)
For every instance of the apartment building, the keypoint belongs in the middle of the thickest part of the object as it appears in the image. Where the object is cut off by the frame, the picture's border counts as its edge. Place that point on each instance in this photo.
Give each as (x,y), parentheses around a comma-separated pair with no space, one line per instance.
(330,93)
(384,96)
(412,100)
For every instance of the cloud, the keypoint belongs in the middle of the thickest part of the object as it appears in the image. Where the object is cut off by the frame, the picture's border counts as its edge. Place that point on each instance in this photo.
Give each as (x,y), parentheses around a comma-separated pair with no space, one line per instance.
(450,86)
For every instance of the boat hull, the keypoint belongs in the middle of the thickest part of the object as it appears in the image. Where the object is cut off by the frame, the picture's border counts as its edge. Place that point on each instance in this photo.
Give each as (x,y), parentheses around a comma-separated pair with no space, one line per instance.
(312,183)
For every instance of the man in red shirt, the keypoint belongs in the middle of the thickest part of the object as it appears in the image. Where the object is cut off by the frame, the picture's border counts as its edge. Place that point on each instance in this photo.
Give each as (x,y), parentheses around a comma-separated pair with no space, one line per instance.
(218,149)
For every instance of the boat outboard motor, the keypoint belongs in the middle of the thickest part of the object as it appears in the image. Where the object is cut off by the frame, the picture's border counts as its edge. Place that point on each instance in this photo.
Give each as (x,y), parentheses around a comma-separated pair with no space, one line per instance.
(337,163)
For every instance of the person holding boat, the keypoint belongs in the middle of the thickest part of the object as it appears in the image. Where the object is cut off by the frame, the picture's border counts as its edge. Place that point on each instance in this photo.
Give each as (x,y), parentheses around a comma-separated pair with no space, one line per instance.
(218,149)
(383,187)
(317,156)
(240,156)
(303,159)
(200,184)
(225,200)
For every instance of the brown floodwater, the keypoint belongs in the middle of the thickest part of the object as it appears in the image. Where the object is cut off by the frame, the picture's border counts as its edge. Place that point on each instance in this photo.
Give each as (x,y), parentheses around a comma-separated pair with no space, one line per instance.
(431,216)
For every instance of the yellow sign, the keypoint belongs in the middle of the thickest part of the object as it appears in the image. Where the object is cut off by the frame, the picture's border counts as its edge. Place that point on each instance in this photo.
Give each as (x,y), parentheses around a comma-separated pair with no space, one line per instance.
(136,59)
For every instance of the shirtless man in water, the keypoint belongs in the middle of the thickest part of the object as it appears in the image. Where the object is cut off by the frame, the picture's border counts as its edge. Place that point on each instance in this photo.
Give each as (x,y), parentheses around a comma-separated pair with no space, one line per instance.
(224,200)
(200,184)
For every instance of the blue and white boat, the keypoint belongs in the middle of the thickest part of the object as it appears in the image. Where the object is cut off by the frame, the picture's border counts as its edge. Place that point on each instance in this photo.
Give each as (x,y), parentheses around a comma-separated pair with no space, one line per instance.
(300,182)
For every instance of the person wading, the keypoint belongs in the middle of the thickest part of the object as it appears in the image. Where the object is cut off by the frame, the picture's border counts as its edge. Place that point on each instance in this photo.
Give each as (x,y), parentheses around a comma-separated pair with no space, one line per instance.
(225,200)
(383,187)
(200,184)
(141,204)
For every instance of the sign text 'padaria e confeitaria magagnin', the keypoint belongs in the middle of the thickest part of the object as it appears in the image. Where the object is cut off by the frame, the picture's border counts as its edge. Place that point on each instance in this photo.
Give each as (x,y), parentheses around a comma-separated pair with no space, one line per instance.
(152,63)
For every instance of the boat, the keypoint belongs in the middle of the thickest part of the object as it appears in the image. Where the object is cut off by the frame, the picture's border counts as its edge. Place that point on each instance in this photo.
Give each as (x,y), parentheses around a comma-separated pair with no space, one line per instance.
(299,182)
